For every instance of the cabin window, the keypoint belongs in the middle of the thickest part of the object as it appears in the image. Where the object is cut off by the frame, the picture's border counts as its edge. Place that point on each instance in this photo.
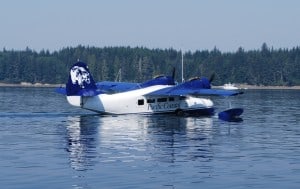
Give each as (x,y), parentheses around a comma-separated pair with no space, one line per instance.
(171,99)
(150,100)
(162,100)
(140,102)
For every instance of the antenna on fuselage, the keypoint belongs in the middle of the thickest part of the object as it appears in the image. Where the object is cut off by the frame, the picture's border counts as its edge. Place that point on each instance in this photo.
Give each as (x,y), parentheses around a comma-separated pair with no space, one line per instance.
(182,79)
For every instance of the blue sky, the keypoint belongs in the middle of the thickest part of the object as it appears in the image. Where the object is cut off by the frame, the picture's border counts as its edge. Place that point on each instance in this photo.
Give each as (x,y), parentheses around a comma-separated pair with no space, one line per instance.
(179,24)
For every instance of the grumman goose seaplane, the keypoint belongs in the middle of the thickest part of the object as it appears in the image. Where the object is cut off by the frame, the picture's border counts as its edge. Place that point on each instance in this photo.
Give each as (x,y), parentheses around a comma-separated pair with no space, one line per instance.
(156,96)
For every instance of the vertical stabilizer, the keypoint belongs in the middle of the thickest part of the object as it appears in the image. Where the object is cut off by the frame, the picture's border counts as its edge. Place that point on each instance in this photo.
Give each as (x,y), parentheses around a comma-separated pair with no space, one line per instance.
(80,82)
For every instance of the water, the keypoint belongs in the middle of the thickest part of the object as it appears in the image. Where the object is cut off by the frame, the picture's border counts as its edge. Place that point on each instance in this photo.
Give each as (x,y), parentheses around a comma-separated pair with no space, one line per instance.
(45,143)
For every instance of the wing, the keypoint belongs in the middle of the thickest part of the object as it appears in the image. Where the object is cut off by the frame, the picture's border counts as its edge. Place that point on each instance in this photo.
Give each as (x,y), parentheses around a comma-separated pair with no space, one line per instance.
(115,87)
(173,91)
(195,87)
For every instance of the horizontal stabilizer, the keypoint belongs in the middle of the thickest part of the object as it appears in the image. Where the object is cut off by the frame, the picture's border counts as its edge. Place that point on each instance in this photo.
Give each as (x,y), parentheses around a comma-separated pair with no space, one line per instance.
(114,87)
(61,90)
(82,92)
(89,92)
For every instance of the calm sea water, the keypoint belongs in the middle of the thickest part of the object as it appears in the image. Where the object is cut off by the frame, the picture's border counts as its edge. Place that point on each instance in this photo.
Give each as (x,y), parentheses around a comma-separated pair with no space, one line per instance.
(45,143)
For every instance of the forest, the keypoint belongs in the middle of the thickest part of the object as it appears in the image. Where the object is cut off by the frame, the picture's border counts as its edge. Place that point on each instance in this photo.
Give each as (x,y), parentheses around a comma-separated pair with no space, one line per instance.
(265,66)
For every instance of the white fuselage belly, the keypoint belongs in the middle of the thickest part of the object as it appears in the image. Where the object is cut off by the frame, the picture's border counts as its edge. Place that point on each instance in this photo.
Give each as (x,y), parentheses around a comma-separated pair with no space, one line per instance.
(135,102)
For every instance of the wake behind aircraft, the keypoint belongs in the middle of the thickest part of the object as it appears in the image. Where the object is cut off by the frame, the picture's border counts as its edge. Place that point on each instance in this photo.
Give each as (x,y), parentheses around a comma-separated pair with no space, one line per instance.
(159,95)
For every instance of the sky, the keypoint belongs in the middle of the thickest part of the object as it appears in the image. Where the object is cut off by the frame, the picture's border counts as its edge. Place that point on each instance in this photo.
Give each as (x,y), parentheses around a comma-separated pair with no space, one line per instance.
(187,25)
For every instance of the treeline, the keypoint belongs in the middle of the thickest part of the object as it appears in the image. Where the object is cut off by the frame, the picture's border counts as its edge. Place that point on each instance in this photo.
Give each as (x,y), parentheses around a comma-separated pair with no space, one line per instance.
(256,67)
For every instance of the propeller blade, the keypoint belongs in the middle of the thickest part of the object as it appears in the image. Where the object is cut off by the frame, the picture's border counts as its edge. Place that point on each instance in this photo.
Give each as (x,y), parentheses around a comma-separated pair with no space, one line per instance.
(173,73)
(212,77)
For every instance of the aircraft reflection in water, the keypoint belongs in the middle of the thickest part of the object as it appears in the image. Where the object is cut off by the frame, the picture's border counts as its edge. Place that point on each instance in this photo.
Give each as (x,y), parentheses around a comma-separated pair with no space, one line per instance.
(82,139)
(105,139)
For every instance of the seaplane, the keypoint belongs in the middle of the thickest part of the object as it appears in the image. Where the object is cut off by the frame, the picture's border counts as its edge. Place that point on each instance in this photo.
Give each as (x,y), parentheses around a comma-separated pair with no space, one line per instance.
(160,95)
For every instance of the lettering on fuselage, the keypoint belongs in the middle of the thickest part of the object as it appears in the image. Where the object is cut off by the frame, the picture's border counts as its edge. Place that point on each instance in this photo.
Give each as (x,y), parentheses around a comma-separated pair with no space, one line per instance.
(163,106)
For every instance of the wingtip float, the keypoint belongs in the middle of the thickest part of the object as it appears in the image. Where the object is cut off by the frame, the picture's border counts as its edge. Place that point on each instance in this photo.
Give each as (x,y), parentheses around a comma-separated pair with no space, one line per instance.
(157,96)
(231,115)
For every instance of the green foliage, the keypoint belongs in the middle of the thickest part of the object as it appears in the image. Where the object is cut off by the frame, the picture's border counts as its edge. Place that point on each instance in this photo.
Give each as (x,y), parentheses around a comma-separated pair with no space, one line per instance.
(260,67)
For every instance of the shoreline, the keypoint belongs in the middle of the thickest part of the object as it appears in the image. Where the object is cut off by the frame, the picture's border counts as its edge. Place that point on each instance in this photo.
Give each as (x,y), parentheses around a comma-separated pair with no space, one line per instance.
(240,86)
(25,84)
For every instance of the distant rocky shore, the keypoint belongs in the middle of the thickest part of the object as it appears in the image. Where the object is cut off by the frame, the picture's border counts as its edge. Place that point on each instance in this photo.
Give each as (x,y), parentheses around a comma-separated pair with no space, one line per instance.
(240,86)
(26,84)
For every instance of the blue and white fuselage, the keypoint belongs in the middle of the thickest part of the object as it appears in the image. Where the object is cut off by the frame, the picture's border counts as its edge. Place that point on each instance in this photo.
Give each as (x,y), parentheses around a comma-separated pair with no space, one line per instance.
(137,101)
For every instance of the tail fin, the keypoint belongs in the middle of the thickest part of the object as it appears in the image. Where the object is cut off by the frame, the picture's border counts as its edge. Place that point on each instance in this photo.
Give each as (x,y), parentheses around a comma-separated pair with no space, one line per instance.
(81,82)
